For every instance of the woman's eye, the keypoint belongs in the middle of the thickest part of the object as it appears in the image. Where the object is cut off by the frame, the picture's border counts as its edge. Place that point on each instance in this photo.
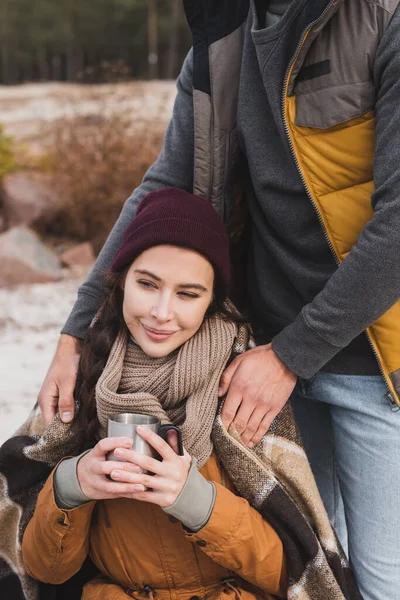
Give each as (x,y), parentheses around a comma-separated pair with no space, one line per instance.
(146,284)
(188,295)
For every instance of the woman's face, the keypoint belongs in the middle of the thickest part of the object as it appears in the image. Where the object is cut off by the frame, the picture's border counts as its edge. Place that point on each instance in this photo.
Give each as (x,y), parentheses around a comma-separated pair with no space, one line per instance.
(167,292)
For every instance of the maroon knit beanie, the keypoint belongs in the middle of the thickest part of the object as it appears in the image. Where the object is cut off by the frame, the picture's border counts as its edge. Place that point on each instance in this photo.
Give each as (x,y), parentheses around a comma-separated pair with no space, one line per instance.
(173,216)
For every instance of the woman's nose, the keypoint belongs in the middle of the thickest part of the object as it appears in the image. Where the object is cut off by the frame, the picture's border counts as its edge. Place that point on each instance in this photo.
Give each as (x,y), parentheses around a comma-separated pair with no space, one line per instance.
(162,310)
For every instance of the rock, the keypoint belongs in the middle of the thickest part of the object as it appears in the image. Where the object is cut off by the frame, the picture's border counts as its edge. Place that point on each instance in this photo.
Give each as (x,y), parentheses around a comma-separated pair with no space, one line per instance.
(28,196)
(78,255)
(24,259)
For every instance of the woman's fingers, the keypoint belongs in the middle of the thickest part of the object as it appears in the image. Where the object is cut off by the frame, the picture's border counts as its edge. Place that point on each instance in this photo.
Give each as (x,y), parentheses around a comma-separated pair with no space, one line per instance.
(117,489)
(107,466)
(172,438)
(160,445)
(155,482)
(145,496)
(109,444)
(147,463)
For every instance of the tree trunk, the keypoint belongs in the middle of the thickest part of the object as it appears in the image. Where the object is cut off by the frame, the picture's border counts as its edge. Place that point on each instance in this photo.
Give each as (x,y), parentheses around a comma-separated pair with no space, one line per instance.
(173,42)
(5,75)
(43,65)
(74,63)
(4,51)
(152,39)
(56,67)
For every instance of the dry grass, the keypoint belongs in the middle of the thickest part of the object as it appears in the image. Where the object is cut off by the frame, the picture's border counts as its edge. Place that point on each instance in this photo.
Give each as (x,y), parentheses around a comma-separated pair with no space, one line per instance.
(96,161)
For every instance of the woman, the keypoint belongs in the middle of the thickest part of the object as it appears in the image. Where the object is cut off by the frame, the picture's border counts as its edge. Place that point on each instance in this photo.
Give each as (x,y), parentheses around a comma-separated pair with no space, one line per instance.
(159,345)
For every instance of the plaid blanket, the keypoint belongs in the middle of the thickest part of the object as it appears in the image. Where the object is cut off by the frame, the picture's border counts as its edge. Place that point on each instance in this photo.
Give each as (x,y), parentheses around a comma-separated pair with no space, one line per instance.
(274,477)
(26,461)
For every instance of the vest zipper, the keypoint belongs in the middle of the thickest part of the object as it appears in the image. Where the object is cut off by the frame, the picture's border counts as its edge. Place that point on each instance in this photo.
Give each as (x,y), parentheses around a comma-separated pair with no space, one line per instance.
(393,401)
(286,126)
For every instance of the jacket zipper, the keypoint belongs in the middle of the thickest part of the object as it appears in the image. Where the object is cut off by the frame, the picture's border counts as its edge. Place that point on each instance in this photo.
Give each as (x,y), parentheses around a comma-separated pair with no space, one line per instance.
(394,404)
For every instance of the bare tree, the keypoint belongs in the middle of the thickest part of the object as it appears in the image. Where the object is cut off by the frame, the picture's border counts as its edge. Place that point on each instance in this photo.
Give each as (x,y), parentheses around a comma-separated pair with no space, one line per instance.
(173,41)
(152,39)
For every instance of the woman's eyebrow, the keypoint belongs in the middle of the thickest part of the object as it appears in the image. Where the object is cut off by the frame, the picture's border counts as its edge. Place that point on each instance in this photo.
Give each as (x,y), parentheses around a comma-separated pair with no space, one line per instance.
(195,286)
(144,272)
(185,286)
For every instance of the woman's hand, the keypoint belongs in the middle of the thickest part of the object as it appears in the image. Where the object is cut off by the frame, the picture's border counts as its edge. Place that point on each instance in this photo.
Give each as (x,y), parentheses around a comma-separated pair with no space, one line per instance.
(169,477)
(93,469)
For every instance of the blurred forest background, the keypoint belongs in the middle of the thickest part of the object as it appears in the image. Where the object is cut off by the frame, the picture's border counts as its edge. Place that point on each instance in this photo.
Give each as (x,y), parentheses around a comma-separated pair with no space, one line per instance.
(86,91)
(91,40)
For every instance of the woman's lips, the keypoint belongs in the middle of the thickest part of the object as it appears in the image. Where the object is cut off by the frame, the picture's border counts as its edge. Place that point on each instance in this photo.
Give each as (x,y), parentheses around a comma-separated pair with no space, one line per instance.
(157,335)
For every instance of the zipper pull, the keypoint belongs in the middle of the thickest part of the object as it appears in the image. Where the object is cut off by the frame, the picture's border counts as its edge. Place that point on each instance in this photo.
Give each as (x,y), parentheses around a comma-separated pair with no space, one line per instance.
(394,405)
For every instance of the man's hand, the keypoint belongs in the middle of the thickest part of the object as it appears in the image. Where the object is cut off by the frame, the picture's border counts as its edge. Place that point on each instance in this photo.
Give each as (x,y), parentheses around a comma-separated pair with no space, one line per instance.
(258,386)
(58,386)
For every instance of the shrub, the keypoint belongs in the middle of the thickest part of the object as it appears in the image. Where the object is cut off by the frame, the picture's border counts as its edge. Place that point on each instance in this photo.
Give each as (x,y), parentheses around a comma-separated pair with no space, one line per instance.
(96,162)
(7,155)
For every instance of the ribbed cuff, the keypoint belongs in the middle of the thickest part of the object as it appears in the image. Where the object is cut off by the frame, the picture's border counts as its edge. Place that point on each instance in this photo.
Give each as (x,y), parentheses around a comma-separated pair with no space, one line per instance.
(195,503)
(81,315)
(67,491)
(301,349)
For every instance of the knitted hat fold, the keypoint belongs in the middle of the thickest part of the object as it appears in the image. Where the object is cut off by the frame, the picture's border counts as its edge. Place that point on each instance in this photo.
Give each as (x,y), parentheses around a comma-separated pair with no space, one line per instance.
(174,217)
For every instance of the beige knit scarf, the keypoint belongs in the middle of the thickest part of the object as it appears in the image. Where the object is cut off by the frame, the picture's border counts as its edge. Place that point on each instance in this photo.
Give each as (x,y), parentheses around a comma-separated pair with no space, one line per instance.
(181,388)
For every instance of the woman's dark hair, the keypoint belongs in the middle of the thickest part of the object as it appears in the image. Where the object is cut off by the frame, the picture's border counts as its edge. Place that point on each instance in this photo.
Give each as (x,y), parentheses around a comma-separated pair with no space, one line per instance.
(102,333)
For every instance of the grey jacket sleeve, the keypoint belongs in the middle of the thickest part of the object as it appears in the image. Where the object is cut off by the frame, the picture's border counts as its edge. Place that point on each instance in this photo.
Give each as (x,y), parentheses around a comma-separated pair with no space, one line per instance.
(195,503)
(193,507)
(174,167)
(367,283)
(67,491)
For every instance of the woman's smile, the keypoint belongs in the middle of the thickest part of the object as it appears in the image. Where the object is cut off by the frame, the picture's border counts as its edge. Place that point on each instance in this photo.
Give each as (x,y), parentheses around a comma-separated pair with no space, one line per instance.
(158,335)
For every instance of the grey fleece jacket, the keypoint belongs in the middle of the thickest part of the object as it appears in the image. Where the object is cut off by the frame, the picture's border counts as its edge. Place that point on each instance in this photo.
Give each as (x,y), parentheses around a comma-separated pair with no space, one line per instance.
(310,308)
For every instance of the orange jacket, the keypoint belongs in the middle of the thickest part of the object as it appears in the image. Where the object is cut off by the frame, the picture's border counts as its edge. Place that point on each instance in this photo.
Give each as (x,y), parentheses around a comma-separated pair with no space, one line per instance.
(135,544)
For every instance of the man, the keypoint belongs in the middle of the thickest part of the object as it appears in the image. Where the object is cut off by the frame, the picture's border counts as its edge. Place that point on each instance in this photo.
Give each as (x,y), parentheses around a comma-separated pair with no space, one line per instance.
(309,92)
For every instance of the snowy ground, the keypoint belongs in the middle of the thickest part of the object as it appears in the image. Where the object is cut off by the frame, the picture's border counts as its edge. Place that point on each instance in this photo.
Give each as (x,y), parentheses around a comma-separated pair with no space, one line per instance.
(31,317)
(25,108)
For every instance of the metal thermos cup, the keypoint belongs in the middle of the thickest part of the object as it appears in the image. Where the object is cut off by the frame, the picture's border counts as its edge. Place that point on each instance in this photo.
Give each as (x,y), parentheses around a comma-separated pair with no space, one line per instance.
(125,425)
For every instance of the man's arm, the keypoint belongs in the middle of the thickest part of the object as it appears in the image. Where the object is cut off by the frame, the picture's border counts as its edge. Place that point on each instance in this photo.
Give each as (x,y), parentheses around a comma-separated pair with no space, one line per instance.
(364,287)
(174,167)
(367,283)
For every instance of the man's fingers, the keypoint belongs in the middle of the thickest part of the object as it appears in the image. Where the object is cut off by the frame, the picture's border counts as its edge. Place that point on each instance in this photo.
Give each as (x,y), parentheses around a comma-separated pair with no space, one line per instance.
(48,412)
(66,404)
(243,416)
(226,377)
(47,400)
(263,428)
(253,425)
(231,406)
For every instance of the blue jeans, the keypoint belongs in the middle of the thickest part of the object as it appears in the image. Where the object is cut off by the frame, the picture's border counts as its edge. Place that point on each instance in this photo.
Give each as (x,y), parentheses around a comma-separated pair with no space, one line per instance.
(352,439)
